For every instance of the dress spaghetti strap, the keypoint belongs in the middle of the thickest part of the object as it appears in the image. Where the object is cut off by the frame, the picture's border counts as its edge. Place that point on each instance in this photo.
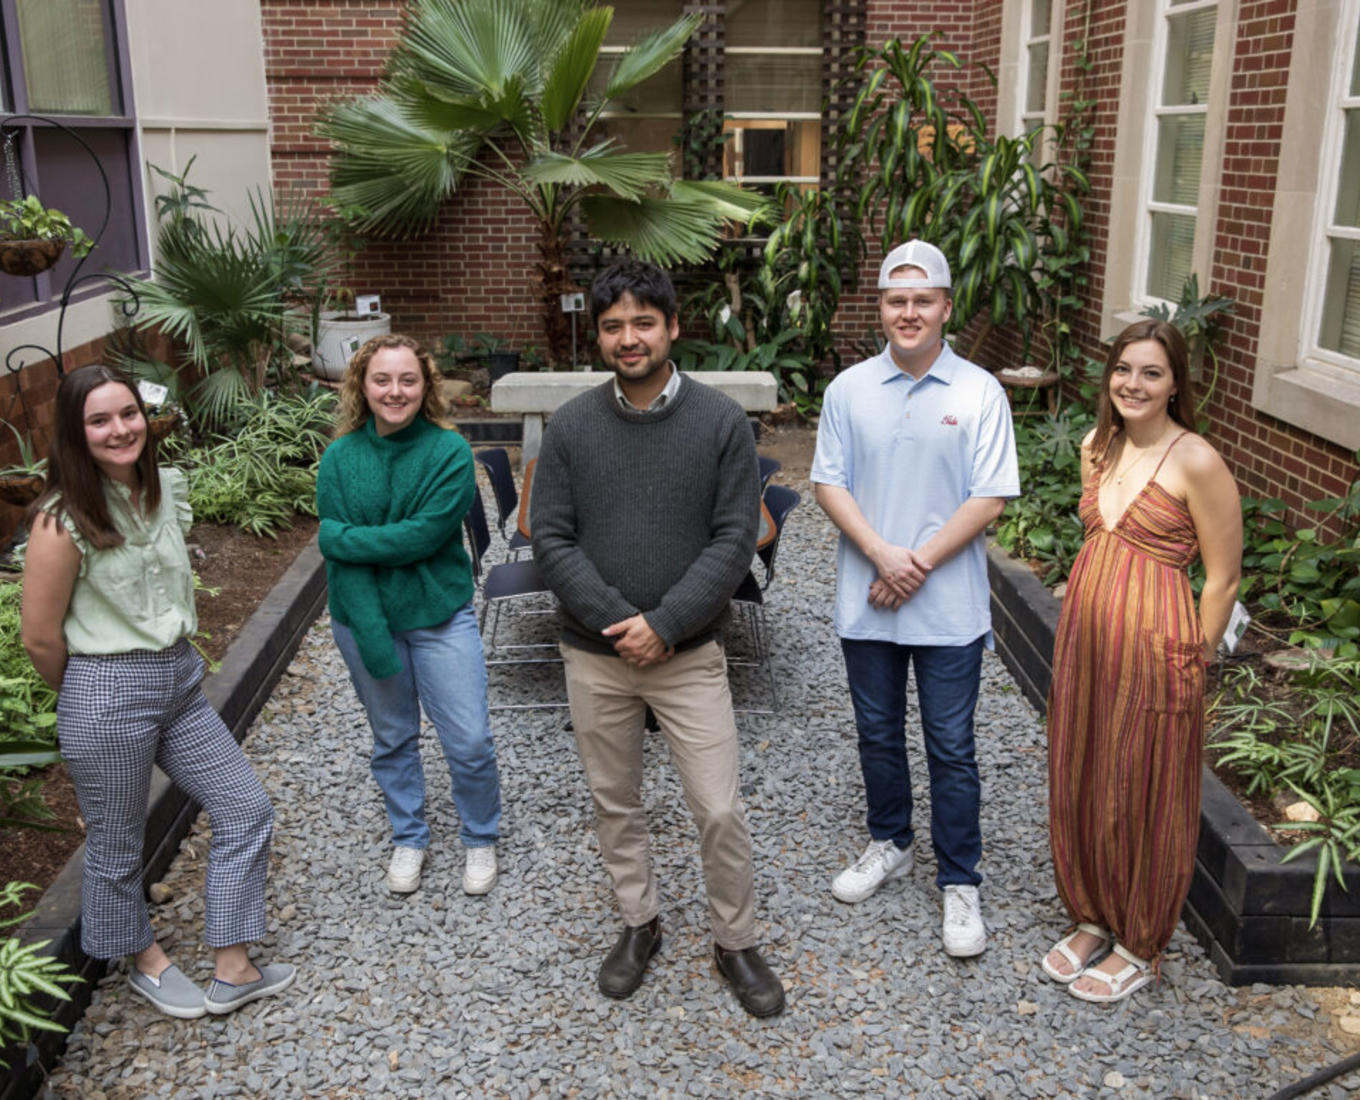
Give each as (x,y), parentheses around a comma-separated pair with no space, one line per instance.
(1164,454)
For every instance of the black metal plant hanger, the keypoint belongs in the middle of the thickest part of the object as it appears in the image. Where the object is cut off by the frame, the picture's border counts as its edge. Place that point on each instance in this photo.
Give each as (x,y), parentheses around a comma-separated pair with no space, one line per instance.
(129,305)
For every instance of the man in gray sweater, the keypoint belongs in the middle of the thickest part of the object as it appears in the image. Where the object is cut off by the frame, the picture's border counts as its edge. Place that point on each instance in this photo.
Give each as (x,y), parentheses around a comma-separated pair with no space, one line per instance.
(644,516)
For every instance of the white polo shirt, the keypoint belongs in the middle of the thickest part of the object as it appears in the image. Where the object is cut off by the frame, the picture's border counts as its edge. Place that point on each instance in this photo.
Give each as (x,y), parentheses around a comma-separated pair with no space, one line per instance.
(911,452)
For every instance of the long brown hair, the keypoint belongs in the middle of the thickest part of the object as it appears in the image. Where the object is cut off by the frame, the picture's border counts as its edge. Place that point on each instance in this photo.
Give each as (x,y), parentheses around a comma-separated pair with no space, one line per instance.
(75,483)
(353,410)
(1181,407)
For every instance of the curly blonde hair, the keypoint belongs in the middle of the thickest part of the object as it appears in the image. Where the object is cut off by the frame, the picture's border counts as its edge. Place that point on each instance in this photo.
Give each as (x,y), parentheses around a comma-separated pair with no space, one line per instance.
(353,411)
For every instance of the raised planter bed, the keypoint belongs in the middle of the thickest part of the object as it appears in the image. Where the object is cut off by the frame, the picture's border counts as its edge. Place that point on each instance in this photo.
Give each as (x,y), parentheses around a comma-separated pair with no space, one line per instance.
(238,689)
(1247,908)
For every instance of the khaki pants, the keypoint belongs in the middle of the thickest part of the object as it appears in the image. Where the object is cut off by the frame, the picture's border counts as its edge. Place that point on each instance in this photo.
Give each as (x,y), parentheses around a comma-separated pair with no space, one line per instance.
(693,705)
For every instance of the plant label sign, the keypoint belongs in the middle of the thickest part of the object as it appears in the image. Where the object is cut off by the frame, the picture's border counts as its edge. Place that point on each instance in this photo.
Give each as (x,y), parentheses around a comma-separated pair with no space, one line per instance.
(153,394)
(1237,626)
(365,304)
(574,303)
(348,346)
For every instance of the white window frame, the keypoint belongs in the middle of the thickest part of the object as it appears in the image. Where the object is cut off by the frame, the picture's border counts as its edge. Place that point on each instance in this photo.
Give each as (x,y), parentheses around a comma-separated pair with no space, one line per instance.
(1292,381)
(1017,18)
(1148,205)
(788,116)
(1329,178)
(1130,224)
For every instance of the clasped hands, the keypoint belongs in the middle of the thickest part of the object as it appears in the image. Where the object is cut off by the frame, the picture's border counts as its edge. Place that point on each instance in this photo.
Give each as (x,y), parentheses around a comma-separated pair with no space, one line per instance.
(901,572)
(637,643)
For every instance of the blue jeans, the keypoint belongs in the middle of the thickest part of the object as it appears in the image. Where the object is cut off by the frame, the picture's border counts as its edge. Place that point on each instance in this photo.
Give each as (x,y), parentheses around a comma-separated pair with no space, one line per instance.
(947,680)
(443,670)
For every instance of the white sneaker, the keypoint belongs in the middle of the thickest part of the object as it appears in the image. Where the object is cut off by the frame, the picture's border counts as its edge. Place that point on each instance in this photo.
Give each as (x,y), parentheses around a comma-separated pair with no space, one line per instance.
(403,873)
(881,861)
(479,874)
(964,932)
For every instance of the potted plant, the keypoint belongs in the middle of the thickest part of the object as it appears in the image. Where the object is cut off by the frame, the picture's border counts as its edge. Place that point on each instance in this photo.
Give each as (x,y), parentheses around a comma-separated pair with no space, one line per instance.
(22,482)
(33,236)
(342,332)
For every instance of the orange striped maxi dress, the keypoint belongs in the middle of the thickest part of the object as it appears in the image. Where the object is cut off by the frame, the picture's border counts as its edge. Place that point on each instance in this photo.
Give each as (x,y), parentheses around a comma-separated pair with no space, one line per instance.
(1126,722)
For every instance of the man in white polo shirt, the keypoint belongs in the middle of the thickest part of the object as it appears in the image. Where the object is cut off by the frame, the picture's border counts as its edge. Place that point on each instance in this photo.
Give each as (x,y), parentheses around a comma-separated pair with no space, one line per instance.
(915,457)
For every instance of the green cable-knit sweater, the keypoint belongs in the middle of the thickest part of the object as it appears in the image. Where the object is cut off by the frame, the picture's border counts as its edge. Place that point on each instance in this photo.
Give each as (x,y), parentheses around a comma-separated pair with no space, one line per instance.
(391,511)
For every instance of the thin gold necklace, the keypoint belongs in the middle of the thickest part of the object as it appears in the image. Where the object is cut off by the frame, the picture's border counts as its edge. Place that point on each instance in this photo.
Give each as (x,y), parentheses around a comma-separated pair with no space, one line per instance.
(1120,476)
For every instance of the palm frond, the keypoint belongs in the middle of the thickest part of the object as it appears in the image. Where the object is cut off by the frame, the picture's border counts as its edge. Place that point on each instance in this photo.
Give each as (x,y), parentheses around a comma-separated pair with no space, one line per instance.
(628,175)
(665,231)
(725,200)
(571,69)
(650,55)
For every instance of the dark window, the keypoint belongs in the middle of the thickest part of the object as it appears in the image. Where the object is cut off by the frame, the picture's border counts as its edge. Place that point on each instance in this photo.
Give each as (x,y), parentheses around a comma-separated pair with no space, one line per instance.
(67,60)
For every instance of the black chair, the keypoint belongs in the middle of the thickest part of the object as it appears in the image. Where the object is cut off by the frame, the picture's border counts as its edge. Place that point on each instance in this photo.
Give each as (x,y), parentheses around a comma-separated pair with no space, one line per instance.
(501,584)
(748,602)
(496,462)
(768,468)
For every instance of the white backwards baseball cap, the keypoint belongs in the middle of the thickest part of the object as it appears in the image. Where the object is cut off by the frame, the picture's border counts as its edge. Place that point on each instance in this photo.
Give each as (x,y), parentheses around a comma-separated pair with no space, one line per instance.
(920,254)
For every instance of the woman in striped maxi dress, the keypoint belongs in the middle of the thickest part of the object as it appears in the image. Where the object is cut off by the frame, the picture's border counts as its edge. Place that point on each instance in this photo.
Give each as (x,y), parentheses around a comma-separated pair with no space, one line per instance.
(1126,706)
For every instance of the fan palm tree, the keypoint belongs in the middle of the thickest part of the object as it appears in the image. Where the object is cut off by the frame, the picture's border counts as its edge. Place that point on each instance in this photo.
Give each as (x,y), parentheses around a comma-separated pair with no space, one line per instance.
(501,91)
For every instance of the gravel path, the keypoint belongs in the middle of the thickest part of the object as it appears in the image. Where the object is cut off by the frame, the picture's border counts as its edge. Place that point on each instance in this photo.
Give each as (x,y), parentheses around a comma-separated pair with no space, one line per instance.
(442,995)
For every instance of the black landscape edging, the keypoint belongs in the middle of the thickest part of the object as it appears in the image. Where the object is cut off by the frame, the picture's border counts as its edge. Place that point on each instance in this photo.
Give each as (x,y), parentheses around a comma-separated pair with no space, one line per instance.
(1246,907)
(484,430)
(238,689)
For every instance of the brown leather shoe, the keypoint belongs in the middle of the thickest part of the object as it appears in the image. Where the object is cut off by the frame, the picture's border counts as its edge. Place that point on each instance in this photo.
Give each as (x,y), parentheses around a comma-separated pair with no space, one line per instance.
(622,969)
(754,983)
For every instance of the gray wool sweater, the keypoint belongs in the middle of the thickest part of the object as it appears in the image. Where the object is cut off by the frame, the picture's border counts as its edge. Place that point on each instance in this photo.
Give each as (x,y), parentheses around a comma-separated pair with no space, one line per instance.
(653,512)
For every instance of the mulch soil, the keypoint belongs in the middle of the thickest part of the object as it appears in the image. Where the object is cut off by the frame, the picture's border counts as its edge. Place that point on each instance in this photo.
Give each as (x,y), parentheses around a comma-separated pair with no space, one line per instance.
(242,568)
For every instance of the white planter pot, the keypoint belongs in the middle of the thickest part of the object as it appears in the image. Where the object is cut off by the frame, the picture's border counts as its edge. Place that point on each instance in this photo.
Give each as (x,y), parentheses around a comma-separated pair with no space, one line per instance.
(336,332)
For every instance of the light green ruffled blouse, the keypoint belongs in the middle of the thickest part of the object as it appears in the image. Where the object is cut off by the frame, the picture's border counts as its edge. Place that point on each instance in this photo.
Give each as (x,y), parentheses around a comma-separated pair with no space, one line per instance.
(138,596)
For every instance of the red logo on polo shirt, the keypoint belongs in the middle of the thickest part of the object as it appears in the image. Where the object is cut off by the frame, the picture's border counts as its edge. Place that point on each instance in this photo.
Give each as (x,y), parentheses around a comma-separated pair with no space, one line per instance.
(947,419)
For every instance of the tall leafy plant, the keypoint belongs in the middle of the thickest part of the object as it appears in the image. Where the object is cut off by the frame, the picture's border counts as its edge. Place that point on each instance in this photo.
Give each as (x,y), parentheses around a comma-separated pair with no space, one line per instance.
(25,974)
(503,92)
(224,293)
(916,161)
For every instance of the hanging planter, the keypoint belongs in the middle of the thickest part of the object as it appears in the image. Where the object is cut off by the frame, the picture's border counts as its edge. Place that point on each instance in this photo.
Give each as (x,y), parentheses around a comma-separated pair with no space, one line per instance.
(29,257)
(21,490)
(33,236)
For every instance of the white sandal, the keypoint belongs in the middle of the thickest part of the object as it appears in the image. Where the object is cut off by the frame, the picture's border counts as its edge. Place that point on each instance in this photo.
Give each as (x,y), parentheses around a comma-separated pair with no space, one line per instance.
(1138,973)
(1064,948)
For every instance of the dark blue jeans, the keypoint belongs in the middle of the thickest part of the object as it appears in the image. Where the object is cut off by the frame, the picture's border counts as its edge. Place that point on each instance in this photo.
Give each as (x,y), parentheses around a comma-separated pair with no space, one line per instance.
(947,679)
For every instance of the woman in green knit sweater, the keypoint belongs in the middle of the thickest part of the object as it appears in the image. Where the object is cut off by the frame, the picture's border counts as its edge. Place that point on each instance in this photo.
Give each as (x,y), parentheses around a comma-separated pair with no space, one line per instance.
(392,492)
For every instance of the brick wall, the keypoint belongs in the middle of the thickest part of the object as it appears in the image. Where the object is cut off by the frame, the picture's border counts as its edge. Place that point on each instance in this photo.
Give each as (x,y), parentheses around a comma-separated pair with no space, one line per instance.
(317,50)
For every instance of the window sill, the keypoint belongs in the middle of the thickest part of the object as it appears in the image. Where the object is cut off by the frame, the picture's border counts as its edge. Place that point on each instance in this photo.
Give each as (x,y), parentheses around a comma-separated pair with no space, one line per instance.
(1319,402)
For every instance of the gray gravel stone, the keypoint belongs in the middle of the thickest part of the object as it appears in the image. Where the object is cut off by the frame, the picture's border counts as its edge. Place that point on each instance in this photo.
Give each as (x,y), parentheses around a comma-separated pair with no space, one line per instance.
(440,994)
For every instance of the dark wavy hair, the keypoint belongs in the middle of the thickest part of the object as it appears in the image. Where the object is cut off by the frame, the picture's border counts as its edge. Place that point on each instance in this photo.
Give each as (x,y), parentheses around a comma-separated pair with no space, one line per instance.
(644,281)
(353,410)
(75,484)
(1181,407)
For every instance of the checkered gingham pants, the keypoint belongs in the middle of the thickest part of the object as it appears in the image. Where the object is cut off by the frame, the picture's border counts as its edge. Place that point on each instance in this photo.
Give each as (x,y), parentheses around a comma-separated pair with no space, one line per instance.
(116,716)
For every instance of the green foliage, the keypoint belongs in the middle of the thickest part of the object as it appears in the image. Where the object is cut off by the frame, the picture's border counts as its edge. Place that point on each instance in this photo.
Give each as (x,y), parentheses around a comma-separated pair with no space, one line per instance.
(264,473)
(29,464)
(915,160)
(1042,523)
(27,705)
(1310,577)
(1307,742)
(25,974)
(510,92)
(28,219)
(223,294)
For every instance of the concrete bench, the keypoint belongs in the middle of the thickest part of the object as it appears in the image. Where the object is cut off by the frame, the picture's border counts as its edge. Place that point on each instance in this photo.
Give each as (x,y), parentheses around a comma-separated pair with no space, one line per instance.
(536,394)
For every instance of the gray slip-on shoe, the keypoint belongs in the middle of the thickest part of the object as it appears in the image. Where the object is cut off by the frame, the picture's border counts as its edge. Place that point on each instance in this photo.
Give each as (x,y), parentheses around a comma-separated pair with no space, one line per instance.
(172,992)
(224,997)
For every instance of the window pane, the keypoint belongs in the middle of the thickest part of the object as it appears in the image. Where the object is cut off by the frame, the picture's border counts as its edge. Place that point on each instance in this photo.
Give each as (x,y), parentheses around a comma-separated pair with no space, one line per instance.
(1189,54)
(1341,306)
(66,60)
(776,83)
(1348,191)
(767,147)
(1355,63)
(662,93)
(773,23)
(635,18)
(1180,146)
(1038,77)
(1041,17)
(641,135)
(1173,241)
